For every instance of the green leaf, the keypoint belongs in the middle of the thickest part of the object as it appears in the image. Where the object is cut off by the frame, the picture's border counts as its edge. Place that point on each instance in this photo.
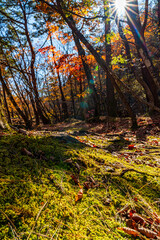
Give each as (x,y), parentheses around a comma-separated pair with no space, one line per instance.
(96,69)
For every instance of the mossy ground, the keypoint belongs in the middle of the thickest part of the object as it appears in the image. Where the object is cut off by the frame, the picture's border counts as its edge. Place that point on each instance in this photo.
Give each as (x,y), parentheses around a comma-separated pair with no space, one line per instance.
(37,197)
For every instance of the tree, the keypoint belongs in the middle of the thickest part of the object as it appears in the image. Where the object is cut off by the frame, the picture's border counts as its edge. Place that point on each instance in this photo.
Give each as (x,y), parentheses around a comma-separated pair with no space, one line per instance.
(111,102)
(147,67)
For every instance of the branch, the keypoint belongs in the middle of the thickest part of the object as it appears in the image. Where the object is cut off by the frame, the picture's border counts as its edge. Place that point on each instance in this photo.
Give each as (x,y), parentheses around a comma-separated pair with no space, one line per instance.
(36,220)
(133,170)
(151,105)
(145,17)
(129,170)
(80,16)
(11,223)
(12,19)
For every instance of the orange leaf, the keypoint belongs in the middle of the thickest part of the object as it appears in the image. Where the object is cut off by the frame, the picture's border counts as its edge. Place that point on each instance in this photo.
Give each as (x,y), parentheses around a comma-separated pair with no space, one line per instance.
(130,231)
(148,233)
(80,195)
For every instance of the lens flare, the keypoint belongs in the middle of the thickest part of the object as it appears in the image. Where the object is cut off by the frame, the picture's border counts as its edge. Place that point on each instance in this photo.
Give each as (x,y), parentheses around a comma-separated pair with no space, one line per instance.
(120,5)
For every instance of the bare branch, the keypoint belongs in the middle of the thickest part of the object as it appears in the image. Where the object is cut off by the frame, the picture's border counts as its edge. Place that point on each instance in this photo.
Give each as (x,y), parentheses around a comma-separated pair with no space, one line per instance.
(145,17)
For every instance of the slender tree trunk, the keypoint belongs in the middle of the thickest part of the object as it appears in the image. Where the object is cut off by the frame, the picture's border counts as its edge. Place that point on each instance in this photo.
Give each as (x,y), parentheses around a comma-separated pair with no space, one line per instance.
(159,19)
(58,105)
(88,73)
(129,58)
(100,91)
(147,67)
(6,106)
(110,100)
(72,96)
(3,120)
(64,104)
(44,119)
(34,107)
(24,117)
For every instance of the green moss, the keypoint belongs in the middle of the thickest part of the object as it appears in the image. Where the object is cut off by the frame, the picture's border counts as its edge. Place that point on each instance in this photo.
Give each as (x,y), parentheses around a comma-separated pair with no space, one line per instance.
(27,183)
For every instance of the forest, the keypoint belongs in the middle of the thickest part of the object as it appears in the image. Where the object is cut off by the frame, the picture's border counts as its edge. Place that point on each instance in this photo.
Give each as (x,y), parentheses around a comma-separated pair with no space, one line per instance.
(79,119)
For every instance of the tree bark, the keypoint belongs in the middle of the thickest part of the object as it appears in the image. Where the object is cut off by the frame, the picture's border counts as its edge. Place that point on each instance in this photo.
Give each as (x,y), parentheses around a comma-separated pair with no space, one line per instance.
(130,64)
(24,117)
(44,119)
(88,73)
(147,67)
(110,100)
(6,106)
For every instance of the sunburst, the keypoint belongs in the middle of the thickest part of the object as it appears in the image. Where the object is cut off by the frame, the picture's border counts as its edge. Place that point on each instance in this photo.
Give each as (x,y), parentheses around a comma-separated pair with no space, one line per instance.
(120,5)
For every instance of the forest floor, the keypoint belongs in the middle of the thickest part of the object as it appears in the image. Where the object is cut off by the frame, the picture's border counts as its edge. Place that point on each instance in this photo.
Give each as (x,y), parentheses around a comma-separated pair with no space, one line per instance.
(78,180)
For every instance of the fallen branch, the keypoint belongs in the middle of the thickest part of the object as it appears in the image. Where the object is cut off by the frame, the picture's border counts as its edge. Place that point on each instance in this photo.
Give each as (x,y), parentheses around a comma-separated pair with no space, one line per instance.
(129,170)
(11,224)
(42,235)
(134,170)
(19,130)
(36,220)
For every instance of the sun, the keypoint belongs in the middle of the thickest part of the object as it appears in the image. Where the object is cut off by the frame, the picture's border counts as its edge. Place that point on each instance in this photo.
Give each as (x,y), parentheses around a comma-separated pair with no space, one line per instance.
(120,5)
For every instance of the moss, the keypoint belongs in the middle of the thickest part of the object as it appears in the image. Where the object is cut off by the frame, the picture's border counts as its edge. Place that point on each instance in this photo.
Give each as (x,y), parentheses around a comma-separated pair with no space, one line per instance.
(27,183)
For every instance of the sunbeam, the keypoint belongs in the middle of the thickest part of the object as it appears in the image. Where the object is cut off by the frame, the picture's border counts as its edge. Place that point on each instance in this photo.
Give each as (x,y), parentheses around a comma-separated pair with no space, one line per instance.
(120,5)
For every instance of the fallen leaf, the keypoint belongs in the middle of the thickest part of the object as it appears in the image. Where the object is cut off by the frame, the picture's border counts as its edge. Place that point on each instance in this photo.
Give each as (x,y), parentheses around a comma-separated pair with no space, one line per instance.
(138,219)
(79,195)
(77,166)
(130,231)
(28,153)
(94,146)
(131,147)
(148,233)
(131,224)
(135,199)
(75,179)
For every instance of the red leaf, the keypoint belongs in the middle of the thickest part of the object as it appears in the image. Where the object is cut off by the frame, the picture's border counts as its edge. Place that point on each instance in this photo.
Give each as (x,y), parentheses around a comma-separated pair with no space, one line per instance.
(138,219)
(135,199)
(131,147)
(75,179)
(94,146)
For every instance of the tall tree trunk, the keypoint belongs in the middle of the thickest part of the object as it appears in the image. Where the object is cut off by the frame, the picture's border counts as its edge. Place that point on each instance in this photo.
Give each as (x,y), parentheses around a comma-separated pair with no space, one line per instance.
(3,120)
(64,104)
(44,119)
(6,106)
(34,107)
(88,73)
(129,58)
(100,92)
(147,67)
(63,99)
(72,96)
(24,117)
(110,100)
(159,19)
